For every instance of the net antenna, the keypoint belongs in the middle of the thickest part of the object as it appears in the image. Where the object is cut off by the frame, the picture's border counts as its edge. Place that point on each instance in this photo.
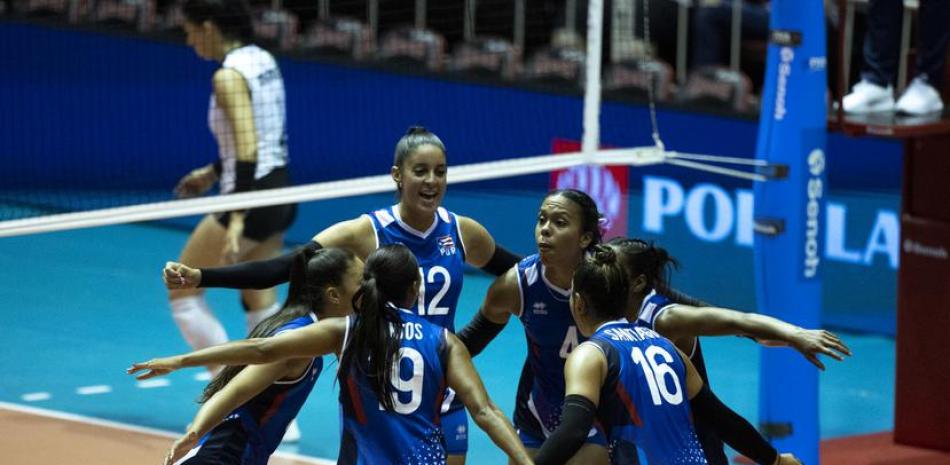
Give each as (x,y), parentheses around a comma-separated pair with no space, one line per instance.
(761,171)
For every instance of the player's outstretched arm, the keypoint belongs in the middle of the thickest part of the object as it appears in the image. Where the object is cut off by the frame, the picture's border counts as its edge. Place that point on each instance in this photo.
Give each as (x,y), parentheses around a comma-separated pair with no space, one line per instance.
(355,235)
(463,378)
(251,381)
(502,299)
(685,321)
(320,338)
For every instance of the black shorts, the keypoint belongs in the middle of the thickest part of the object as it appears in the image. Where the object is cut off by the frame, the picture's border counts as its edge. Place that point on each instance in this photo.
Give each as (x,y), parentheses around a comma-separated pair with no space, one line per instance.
(262,223)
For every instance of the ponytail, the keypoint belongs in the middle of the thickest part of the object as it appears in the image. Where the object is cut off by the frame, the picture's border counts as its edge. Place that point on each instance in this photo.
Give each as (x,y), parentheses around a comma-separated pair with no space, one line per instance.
(389,278)
(311,273)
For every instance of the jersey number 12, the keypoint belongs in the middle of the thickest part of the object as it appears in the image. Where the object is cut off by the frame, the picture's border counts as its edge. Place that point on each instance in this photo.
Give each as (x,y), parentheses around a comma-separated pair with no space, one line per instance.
(430,278)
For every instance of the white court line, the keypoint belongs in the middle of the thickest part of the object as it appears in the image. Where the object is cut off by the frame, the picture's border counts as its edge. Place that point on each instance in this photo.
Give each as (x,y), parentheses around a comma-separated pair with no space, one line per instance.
(153,383)
(203,375)
(135,429)
(91,390)
(35,396)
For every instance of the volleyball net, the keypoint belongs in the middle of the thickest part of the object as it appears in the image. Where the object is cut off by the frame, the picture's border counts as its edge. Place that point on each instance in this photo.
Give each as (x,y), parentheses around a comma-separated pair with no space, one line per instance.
(102,126)
(107,114)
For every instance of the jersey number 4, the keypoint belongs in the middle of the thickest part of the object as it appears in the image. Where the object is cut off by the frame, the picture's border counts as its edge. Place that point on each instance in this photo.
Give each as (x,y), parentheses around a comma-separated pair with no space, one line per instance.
(570,342)
(656,374)
(430,278)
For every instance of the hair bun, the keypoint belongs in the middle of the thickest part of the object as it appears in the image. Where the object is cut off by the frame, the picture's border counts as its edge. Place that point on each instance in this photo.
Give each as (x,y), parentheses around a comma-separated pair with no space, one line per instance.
(414,130)
(603,255)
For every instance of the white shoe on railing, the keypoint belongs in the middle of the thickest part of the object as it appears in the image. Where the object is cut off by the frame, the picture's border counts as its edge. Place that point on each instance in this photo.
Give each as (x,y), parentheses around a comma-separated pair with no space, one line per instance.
(920,98)
(867,97)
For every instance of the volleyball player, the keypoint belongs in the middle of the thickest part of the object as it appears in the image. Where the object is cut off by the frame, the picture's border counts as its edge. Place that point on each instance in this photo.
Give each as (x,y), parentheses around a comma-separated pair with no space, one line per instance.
(648,266)
(537,291)
(247,118)
(441,241)
(394,369)
(246,410)
(635,383)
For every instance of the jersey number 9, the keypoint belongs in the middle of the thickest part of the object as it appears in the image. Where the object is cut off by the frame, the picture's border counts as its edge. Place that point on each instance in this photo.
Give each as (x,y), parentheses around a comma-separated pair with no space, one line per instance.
(412,386)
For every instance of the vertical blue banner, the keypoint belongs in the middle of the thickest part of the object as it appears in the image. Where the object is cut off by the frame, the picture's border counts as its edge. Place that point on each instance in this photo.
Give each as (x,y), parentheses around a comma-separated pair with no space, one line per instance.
(788,223)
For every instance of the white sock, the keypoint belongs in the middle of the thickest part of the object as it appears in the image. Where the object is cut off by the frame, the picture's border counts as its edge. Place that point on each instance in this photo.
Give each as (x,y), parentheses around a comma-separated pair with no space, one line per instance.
(256,316)
(197,324)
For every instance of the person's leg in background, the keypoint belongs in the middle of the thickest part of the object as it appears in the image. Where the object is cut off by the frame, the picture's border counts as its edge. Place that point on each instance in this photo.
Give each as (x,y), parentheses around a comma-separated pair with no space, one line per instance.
(875,91)
(707,40)
(922,96)
(712,29)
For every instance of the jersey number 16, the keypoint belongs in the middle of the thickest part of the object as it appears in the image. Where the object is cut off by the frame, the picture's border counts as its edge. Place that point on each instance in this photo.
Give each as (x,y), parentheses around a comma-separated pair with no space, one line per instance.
(656,374)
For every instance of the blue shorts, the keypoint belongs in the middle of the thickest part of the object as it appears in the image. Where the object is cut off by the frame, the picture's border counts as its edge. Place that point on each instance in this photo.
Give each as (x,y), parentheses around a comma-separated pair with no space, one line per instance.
(226,444)
(455,429)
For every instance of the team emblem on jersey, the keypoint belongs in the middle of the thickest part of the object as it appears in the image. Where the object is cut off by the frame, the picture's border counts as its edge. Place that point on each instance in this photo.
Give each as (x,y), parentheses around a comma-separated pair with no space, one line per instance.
(540,308)
(446,245)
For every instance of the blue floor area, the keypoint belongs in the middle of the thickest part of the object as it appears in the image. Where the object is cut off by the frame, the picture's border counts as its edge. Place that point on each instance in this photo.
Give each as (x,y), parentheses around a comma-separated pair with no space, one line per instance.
(79,306)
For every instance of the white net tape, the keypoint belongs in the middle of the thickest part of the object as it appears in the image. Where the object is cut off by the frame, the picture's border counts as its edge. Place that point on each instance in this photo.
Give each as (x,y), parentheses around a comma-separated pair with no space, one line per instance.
(637,156)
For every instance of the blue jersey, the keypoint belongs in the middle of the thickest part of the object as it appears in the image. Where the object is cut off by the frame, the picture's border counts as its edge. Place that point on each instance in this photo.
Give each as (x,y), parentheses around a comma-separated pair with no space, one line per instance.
(655,304)
(644,399)
(551,335)
(441,257)
(255,429)
(411,434)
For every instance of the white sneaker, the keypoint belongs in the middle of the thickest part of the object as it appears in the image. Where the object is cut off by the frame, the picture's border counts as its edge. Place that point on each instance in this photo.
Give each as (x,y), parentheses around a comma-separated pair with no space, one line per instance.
(867,97)
(292,434)
(920,98)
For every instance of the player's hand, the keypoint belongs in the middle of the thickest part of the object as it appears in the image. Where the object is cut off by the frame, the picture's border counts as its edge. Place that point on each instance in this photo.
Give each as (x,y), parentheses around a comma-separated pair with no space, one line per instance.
(179,276)
(231,252)
(812,342)
(787,459)
(197,182)
(155,367)
(181,447)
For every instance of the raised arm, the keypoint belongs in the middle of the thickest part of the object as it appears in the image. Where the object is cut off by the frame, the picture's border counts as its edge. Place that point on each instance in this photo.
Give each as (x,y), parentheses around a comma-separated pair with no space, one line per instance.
(680,321)
(250,382)
(317,339)
(463,378)
(356,235)
(502,300)
(584,374)
(481,251)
